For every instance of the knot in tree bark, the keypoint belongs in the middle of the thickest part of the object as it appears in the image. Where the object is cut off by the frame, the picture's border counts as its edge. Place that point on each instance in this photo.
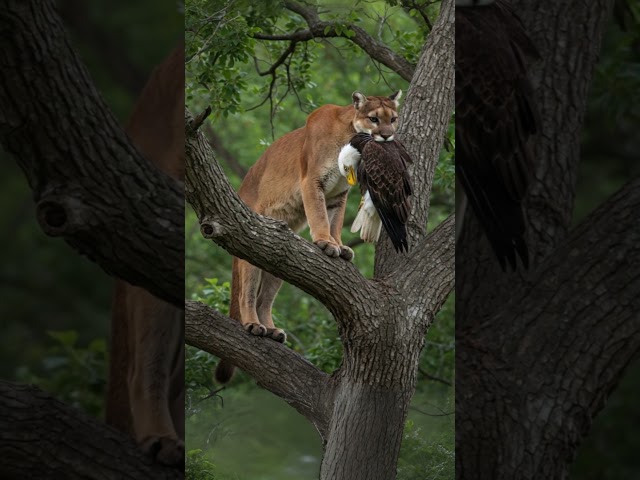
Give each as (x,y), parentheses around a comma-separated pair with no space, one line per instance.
(210,229)
(61,216)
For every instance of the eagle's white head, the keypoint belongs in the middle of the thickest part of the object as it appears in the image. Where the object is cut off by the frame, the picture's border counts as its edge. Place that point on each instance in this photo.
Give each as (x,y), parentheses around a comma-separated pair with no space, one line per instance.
(348,163)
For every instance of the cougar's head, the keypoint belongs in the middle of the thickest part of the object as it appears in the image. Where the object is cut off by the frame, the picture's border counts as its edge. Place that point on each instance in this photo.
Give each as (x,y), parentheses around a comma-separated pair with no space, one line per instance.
(377,116)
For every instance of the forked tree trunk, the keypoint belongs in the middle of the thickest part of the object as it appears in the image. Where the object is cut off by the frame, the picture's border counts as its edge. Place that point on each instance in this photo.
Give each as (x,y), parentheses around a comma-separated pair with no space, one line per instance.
(538,352)
(360,410)
(374,387)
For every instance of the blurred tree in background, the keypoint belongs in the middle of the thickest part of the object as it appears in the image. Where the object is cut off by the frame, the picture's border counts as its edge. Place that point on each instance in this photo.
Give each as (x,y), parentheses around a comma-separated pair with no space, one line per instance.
(54,304)
(261,88)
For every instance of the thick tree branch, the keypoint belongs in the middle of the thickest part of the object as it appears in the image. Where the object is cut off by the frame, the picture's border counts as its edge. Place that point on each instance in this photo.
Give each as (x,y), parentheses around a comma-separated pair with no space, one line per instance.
(266,243)
(299,36)
(90,185)
(563,341)
(274,366)
(592,284)
(427,277)
(599,259)
(321,29)
(283,57)
(41,437)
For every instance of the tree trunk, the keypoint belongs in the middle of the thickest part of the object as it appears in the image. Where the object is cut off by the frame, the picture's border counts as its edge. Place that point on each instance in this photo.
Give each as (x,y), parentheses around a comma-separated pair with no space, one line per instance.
(374,387)
(538,352)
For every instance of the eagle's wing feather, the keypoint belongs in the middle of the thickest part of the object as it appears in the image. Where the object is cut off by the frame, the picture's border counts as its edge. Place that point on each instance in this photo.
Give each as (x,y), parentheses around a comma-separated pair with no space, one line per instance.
(495,118)
(383,173)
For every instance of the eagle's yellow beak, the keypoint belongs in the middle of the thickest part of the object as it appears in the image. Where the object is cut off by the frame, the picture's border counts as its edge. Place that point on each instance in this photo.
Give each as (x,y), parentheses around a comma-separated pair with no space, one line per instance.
(351,176)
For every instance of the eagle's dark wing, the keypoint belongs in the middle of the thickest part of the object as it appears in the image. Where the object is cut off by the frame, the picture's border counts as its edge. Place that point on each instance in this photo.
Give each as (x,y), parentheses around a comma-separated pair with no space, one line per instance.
(402,151)
(359,140)
(495,117)
(383,173)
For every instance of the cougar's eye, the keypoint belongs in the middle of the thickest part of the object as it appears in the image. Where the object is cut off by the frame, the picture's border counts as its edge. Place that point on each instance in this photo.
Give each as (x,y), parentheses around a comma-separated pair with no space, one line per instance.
(393,119)
(374,119)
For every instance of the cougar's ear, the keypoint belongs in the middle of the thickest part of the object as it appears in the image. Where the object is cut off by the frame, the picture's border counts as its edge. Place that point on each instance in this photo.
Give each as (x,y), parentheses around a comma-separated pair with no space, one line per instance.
(396,97)
(358,99)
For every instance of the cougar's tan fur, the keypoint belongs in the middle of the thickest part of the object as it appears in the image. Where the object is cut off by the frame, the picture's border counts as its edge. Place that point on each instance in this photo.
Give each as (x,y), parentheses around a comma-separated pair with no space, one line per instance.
(297,181)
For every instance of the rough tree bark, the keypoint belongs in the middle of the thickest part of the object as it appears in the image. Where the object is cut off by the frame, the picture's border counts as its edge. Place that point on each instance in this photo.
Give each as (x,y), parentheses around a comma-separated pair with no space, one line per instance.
(360,409)
(41,437)
(538,352)
(95,190)
(76,156)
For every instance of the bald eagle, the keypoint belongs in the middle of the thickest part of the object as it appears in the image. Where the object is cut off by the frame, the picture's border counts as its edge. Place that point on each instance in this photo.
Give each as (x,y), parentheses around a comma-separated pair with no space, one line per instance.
(385,185)
(495,120)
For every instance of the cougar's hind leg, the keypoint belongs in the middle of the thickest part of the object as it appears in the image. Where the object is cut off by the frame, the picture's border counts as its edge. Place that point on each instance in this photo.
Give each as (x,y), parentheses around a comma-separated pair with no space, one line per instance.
(250,277)
(269,287)
(156,328)
(176,385)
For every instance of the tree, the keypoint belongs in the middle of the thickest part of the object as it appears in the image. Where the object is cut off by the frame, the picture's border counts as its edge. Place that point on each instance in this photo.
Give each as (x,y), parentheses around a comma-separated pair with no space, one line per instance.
(76,210)
(359,410)
(538,352)
(76,157)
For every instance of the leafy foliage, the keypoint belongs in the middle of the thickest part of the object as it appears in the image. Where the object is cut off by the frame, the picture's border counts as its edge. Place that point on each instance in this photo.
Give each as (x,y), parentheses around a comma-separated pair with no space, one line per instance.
(197,467)
(421,459)
(77,374)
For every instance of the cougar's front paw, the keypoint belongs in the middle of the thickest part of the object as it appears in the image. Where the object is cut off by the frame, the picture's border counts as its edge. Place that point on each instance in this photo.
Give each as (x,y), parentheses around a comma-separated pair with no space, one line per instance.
(277,334)
(346,253)
(166,450)
(329,247)
(256,329)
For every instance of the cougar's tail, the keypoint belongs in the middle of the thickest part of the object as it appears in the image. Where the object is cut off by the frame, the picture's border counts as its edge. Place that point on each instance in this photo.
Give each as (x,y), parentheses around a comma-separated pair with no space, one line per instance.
(224,370)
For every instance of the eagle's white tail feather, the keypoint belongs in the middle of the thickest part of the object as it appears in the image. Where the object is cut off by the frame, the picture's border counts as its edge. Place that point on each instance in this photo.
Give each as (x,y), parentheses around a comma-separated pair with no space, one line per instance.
(367,221)
(370,232)
(357,223)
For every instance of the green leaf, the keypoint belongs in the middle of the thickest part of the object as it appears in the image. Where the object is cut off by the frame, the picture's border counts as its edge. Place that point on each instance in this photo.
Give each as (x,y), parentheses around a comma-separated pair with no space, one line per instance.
(68,338)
